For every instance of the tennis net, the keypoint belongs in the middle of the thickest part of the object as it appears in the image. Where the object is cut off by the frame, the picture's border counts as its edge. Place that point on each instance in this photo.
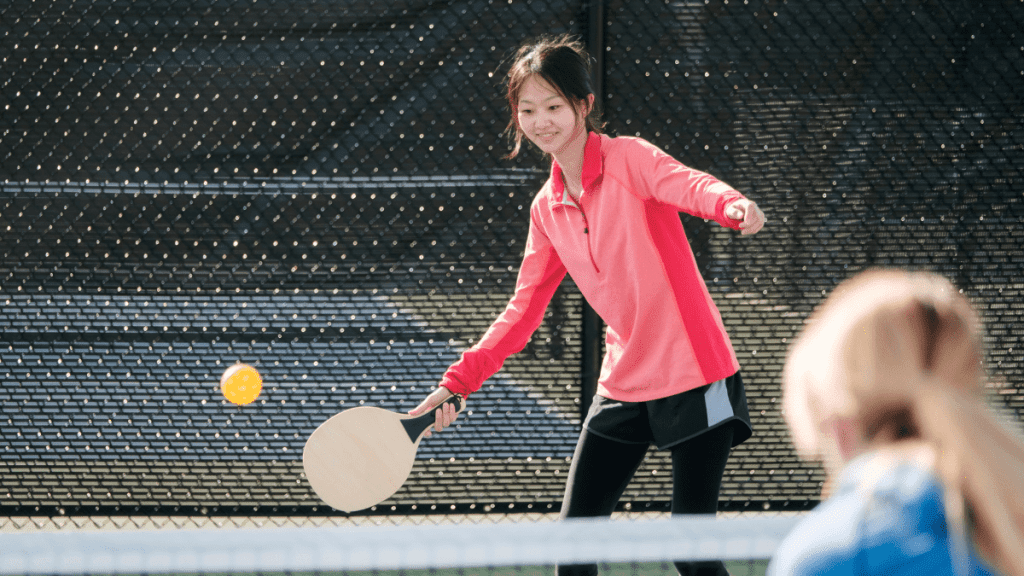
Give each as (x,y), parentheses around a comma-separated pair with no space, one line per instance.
(618,546)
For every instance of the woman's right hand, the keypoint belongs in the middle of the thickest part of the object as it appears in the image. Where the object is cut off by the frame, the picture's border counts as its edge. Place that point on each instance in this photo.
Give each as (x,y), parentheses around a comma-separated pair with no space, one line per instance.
(444,415)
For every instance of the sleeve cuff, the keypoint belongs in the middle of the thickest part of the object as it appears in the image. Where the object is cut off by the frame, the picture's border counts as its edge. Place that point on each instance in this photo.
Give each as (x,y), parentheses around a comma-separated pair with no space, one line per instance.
(727,199)
(456,387)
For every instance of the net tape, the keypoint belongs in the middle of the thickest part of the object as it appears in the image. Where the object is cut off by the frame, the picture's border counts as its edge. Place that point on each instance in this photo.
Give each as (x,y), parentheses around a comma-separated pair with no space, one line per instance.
(392,547)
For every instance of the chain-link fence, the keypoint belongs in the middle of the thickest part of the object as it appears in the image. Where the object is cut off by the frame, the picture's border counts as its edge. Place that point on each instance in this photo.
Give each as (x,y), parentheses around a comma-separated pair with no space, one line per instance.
(318,188)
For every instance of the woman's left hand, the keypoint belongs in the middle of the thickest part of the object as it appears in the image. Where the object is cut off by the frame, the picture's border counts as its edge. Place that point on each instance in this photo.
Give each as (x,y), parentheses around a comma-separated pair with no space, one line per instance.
(746,210)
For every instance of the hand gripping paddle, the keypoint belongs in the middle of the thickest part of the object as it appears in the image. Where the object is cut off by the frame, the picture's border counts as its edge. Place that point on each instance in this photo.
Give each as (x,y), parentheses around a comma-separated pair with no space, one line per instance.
(361,456)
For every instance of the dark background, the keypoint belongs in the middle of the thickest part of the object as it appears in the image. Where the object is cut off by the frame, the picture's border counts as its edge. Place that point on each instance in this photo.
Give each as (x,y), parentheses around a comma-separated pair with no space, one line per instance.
(319,188)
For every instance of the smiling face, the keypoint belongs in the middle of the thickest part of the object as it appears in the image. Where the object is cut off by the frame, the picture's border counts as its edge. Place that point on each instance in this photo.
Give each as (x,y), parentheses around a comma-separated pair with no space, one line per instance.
(546,118)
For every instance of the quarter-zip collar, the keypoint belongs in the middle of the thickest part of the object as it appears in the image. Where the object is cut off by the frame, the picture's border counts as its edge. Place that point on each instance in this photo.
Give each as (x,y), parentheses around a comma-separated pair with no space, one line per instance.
(593,165)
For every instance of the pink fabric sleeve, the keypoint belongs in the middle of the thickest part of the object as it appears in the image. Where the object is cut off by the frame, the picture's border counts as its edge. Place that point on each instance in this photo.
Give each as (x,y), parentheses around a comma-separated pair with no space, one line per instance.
(539,276)
(669,181)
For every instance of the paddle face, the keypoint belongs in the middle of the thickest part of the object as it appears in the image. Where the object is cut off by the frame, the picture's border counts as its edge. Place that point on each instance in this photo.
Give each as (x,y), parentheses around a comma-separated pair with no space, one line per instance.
(360,457)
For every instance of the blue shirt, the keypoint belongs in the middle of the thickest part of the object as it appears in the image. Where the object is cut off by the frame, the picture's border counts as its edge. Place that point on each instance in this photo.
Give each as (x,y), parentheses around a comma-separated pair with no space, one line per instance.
(889,521)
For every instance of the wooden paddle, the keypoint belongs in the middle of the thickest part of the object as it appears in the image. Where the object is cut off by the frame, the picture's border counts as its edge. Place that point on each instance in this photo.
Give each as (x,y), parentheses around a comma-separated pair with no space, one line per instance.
(361,456)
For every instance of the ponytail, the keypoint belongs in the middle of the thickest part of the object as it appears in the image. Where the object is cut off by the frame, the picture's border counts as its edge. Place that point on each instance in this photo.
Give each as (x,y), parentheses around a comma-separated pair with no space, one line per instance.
(981,466)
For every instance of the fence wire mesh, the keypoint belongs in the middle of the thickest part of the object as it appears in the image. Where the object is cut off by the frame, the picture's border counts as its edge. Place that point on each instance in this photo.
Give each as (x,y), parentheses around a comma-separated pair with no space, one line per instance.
(318,188)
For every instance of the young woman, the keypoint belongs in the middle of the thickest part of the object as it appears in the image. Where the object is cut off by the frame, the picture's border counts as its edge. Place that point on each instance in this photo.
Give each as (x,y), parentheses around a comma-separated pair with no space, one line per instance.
(885,387)
(609,216)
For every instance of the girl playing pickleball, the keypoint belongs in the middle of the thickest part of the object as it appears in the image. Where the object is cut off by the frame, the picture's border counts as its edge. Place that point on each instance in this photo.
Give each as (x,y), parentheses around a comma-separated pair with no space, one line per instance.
(609,216)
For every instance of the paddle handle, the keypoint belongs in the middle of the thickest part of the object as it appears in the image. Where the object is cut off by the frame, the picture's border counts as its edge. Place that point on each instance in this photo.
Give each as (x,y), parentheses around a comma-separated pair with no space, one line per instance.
(416,426)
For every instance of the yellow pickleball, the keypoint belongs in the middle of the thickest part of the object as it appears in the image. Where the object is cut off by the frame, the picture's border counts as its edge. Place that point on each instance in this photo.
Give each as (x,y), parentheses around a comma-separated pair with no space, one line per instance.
(241,384)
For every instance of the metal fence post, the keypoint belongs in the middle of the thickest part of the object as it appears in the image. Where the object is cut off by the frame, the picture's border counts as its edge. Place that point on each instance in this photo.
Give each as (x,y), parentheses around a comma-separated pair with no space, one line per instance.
(592,326)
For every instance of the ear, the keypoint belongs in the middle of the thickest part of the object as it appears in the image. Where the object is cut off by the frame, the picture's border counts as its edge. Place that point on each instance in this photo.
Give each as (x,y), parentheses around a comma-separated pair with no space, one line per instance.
(590,104)
(847,434)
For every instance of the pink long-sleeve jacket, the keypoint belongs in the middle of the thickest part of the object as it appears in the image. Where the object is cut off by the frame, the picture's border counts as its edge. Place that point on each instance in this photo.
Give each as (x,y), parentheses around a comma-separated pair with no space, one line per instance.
(625,248)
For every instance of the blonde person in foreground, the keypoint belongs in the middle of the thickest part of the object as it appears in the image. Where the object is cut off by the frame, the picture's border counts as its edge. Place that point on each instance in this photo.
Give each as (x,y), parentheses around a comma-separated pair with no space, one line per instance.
(885,386)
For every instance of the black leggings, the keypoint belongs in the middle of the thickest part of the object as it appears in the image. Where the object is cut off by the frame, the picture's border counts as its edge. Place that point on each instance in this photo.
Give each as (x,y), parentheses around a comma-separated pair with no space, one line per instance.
(602,468)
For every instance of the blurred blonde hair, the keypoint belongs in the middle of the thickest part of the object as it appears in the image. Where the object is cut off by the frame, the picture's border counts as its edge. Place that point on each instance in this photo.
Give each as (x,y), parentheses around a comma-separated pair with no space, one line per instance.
(895,358)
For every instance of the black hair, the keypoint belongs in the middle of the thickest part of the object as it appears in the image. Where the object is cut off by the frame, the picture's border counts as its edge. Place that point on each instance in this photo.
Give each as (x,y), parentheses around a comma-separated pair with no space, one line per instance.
(563,63)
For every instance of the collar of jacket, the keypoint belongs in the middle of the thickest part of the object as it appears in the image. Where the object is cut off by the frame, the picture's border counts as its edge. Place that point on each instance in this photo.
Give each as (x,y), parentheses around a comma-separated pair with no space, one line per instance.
(593,165)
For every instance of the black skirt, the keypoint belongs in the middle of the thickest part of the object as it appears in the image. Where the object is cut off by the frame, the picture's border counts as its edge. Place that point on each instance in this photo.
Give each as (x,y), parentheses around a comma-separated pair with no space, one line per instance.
(668,421)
